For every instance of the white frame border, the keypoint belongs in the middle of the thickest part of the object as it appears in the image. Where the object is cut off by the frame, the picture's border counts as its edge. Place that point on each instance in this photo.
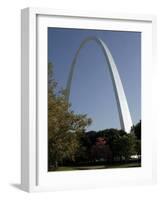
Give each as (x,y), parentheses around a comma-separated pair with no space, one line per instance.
(29,85)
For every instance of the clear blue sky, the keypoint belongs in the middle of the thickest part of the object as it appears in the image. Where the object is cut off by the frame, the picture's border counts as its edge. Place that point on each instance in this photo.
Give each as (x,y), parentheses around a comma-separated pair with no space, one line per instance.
(92,91)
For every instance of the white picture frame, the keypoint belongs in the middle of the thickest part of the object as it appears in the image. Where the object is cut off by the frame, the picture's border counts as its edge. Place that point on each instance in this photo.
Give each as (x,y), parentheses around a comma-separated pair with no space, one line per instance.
(34,176)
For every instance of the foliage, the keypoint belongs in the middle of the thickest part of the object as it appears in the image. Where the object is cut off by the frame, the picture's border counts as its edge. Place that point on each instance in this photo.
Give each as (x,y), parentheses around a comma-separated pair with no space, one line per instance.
(120,144)
(138,147)
(101,150)
(136,129)
(124,146)
(64,126)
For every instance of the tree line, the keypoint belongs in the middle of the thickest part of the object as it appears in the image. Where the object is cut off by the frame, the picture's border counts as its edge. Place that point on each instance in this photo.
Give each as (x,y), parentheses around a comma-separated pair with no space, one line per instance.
(109,146)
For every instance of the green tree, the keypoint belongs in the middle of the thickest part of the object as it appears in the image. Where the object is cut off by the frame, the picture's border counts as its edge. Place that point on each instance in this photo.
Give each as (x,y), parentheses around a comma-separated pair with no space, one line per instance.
(127,145)
(64,126)
(138,147)
(83,152)
(121,143)
(136,129)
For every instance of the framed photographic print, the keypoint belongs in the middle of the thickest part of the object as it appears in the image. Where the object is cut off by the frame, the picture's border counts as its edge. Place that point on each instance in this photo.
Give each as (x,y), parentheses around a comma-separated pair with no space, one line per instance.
(86,100)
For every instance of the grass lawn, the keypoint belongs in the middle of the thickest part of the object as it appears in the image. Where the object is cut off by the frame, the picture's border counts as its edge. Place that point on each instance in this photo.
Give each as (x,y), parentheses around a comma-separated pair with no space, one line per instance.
(125,165)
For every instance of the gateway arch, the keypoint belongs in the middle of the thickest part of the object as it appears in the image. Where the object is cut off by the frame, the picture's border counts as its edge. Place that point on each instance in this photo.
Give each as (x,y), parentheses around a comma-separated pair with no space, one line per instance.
(122,105)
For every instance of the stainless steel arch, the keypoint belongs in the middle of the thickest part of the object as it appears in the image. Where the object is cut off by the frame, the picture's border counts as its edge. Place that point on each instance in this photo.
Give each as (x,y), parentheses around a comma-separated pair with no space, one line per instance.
(122,105)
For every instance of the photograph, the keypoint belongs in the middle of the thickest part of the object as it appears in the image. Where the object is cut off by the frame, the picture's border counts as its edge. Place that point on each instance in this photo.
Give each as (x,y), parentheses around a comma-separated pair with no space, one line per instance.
(94,99)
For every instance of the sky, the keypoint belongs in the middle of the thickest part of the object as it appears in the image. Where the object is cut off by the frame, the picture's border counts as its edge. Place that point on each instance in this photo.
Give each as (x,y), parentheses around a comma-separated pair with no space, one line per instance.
(92,90)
